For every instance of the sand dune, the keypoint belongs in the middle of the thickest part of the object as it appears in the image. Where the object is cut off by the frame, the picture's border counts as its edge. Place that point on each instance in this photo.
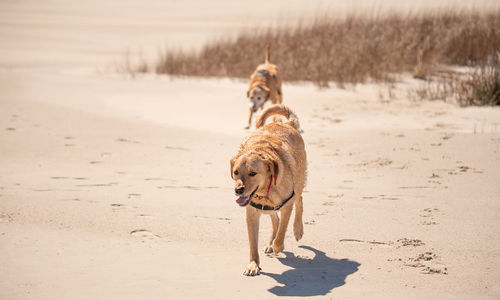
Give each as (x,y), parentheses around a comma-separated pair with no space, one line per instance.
(119,188)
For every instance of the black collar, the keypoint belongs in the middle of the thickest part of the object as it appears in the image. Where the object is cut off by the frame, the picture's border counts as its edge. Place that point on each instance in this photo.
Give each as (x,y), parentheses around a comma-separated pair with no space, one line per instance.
(267,207)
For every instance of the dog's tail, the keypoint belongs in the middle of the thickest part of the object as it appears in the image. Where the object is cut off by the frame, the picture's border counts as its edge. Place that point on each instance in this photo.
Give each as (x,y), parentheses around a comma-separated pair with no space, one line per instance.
(268,54)
(281,110)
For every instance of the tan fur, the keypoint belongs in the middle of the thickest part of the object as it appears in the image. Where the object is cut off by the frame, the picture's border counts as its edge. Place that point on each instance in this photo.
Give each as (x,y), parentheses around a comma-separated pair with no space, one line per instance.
(277,150)
(265,84)
(281,110)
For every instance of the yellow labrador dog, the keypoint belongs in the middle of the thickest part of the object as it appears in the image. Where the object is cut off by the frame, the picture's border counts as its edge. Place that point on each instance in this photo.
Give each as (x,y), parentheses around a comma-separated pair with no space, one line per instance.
(265,84)
(269,173)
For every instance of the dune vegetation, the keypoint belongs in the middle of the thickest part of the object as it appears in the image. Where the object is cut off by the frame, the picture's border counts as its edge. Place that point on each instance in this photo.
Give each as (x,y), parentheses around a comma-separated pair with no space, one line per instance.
(358,49)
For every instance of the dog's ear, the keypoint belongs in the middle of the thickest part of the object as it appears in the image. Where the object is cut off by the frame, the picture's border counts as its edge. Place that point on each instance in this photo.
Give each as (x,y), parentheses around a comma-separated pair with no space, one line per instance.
(273,169)
(232,165)
(265,89)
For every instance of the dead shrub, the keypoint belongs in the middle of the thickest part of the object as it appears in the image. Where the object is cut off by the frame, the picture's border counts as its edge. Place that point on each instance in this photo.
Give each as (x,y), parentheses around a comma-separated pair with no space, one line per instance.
(350,50)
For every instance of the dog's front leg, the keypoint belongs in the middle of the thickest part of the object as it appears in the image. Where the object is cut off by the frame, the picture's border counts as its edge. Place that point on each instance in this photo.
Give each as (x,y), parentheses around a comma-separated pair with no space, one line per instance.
(278,244)
(253,217)
(250,118)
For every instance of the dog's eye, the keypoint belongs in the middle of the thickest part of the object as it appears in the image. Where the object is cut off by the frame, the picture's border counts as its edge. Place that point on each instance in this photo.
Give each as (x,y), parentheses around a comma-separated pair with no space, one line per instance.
(236,172)
(252,174)
(258,98)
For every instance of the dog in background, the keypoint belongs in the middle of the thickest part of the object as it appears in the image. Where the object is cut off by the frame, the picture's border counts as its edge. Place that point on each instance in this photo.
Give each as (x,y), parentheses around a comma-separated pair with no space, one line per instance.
(265,84)
(269,173)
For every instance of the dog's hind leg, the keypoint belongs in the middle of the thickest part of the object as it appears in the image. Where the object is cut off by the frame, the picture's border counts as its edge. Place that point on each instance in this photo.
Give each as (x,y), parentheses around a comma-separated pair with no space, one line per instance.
(298,226)
(275,221)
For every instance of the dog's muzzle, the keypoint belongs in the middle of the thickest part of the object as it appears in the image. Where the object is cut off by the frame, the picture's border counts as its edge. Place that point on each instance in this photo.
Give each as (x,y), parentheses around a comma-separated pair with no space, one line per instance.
(244,200)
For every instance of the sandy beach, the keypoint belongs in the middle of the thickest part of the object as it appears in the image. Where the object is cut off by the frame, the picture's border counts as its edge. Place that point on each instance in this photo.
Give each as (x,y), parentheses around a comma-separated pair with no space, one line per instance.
(114,187)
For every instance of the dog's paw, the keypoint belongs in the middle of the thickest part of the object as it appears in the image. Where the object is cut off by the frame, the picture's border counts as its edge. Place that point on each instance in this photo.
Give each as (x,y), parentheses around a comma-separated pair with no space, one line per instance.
(298,231)
(253,269)
(278,247)
(269,249)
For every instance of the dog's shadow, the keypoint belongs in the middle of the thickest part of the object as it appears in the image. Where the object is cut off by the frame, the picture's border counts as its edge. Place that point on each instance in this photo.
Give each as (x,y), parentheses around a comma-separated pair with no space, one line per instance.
(311,277)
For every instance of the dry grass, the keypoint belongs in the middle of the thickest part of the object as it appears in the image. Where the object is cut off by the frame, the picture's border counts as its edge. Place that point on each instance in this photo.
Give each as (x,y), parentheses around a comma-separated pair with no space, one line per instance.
(351,50)
(483,87)
(130,66)
(478,86)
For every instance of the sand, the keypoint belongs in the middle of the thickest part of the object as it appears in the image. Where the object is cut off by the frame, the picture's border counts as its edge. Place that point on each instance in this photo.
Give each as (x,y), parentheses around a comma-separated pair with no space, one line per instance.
(114,187)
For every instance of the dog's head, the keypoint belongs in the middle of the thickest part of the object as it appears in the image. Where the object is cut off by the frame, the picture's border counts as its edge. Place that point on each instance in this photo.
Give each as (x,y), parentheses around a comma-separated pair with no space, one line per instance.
(252,173)
(257,96)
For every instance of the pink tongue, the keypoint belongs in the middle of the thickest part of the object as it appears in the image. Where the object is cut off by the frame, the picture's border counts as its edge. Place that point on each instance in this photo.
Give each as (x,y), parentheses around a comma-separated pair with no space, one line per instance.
(242,200)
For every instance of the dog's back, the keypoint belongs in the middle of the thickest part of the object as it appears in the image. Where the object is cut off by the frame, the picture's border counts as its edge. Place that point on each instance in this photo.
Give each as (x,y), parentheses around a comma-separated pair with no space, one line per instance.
(291,118)
(266,74)
(286,129)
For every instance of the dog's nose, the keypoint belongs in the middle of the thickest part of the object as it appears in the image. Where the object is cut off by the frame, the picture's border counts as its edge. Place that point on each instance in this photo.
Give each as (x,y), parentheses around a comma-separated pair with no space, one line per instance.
(239,190)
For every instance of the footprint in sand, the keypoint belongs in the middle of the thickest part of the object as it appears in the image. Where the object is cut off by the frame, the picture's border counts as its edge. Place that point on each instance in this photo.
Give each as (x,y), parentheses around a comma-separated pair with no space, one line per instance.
(405,242)
(66,177)
(98,184)
(71,199)
(68,139)
(126,141)
(374,163)
(428,263)
(461,169)
(321,213)
(106,154)
(465,169)
(144,233)
(447,136)
(119,207)
(228,220)
(5,218)
(176,148)
(356,241)
(416,262)
(416,187)
(153,178)
(189,187)
(337,196)
(434,178)
(312,222)
(382,197)
(428,215)
(145,216)
(116,207)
